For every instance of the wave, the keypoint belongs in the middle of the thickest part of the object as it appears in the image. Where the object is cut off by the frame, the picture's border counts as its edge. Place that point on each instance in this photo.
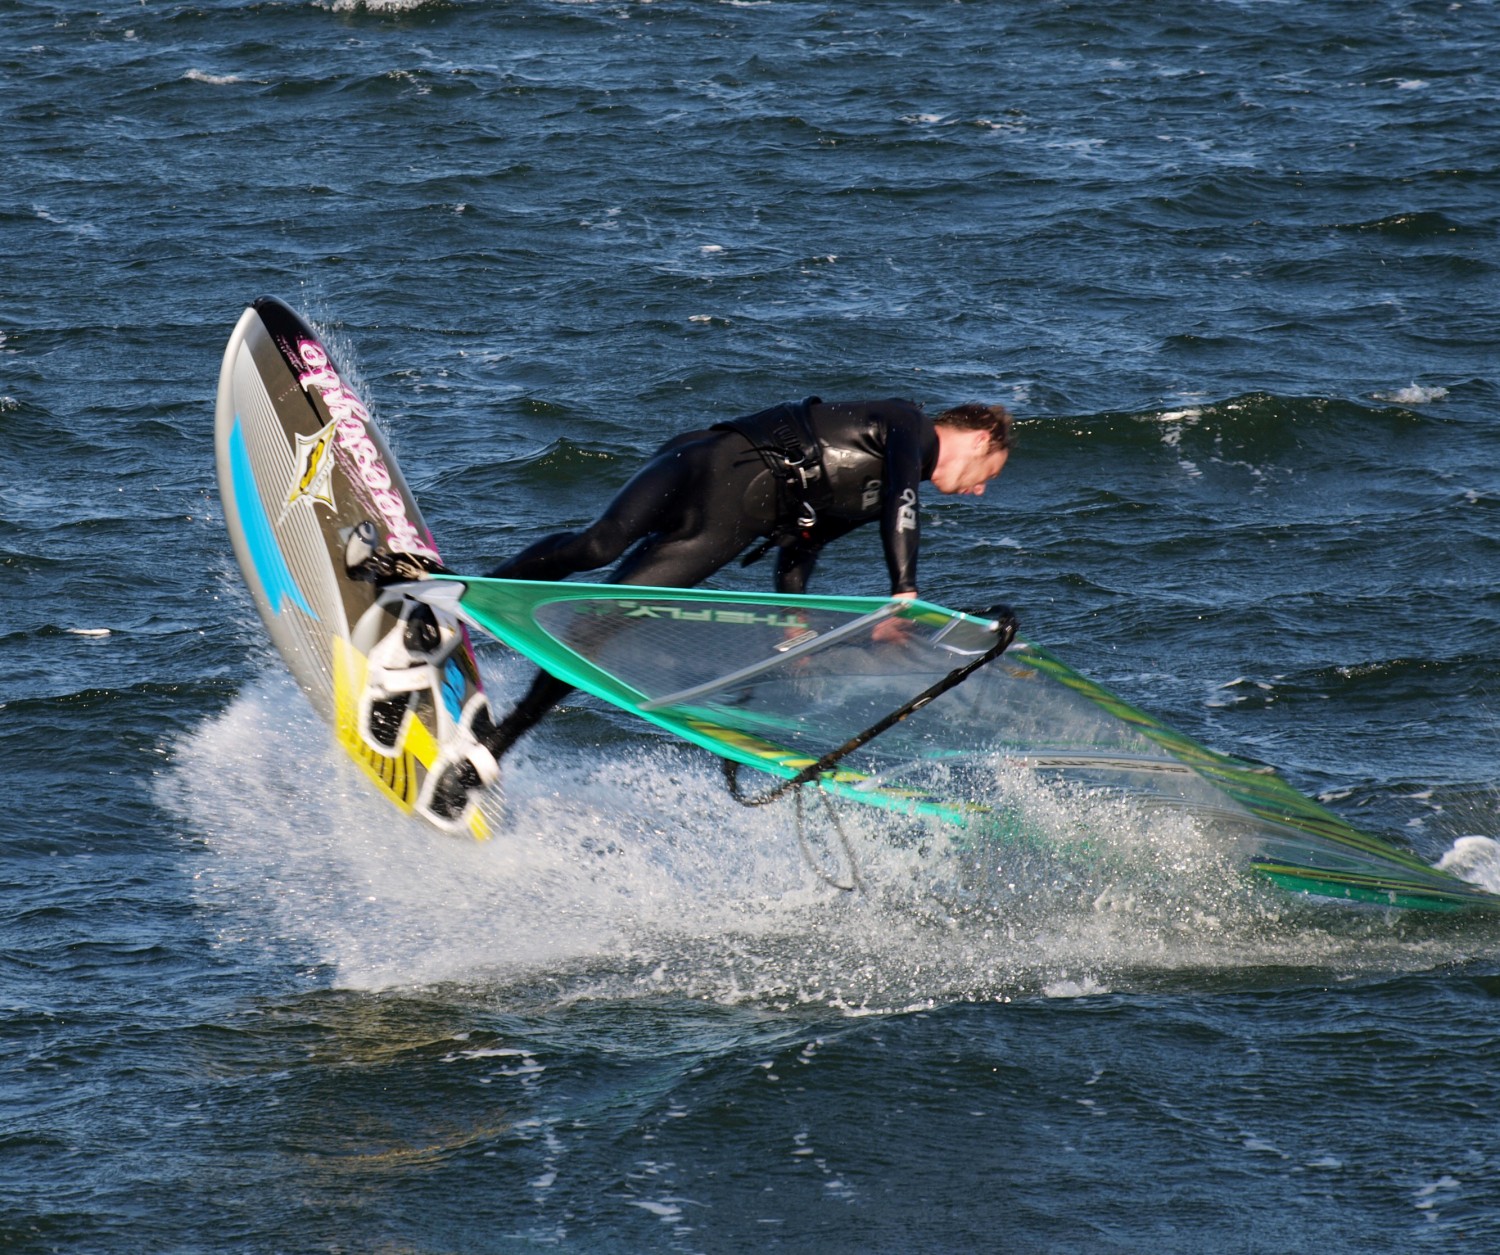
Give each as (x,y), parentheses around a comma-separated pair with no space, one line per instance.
(1246,423)
(1413,225)
(216,80)
(384,6)
(1475,859)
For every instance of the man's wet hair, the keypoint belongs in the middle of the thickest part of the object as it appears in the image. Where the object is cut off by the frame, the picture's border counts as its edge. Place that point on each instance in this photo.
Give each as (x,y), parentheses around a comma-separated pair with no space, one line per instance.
(974,416)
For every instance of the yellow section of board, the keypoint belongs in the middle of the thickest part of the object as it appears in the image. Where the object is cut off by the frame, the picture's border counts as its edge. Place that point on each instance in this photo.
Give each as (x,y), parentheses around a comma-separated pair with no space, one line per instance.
(396,777)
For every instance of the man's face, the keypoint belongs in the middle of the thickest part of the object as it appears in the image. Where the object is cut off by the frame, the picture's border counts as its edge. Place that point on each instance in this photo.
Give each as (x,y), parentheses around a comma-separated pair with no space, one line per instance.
(977,461)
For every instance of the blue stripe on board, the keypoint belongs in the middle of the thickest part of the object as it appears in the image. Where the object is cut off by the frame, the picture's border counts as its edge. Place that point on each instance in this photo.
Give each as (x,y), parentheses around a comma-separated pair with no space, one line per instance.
(270,565)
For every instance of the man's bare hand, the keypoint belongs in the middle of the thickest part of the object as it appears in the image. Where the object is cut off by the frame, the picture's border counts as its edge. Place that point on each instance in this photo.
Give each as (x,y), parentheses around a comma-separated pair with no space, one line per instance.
(894,630)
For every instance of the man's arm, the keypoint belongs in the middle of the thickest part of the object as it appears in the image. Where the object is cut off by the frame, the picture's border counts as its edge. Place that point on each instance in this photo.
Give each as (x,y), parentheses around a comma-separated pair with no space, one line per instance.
(900,528)
(795,562)
(794,566)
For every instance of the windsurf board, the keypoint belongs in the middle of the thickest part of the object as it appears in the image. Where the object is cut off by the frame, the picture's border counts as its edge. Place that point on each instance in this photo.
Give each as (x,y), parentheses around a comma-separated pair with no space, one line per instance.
(302,468)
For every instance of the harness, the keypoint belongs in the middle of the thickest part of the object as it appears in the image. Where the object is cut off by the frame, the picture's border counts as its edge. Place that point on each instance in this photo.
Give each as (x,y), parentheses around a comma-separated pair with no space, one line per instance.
(783,436)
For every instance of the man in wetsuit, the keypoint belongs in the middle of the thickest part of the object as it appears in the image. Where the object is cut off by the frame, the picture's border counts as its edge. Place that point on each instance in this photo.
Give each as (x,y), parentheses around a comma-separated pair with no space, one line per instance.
(793,478)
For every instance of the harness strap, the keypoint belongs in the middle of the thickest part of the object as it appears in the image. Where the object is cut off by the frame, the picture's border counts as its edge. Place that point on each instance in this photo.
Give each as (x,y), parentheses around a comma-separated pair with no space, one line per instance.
(783,436)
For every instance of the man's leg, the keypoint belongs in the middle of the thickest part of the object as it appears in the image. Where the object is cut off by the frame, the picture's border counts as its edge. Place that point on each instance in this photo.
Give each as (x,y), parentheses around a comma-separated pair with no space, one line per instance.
(696,505)
(677,563)
(667,562)
(652,501)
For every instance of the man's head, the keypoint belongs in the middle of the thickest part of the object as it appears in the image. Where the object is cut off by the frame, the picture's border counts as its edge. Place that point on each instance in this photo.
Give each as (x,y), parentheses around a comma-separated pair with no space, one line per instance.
(974,443)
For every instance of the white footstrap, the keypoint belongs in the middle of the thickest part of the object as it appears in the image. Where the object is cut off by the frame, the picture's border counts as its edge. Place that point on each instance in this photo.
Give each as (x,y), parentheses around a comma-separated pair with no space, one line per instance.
(485,764)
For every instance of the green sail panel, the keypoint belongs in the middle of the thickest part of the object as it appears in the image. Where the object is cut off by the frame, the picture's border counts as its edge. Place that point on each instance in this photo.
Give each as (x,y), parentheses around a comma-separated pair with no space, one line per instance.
(776,682)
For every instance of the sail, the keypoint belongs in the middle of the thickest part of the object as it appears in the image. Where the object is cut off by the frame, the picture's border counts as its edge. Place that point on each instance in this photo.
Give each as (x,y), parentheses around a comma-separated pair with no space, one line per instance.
(777,682)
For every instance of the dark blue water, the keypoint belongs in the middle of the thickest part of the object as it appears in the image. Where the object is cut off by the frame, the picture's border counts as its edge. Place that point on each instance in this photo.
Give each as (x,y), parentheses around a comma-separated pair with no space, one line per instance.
(1233,265)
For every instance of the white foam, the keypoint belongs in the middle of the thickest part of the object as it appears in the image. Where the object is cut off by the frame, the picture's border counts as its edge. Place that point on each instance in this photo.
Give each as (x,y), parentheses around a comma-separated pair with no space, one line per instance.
(1475,859)
(663,1210)
(218,80)
(87,229)
(628,872)
(1427,1198)
(1087,987)
(1171,436)
(376,6)
(1413,394)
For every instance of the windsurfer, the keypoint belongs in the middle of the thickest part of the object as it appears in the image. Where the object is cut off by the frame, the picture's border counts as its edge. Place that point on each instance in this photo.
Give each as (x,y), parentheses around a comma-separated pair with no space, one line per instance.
(791,479)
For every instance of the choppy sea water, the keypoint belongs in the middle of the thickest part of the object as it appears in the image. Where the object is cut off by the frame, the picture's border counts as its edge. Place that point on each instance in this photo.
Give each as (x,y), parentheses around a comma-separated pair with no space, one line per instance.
(1234,265)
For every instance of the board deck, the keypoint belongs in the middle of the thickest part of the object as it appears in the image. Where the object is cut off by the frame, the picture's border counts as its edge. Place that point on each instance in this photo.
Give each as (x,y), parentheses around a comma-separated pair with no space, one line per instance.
(301,463)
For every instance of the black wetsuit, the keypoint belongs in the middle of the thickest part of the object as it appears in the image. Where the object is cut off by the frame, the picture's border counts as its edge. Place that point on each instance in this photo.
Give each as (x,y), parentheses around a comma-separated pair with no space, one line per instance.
(706,496)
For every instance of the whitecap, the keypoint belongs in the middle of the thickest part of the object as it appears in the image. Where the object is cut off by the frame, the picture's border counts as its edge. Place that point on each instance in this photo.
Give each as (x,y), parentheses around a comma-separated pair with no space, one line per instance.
(46,215)
(665,1210)
(1475,859)
(1427,1197)
(218,80)
(1413,394)
(376,6)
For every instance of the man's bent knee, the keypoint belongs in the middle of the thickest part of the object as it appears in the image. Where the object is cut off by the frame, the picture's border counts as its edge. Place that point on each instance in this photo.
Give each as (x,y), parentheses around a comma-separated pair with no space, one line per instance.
(600,544)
